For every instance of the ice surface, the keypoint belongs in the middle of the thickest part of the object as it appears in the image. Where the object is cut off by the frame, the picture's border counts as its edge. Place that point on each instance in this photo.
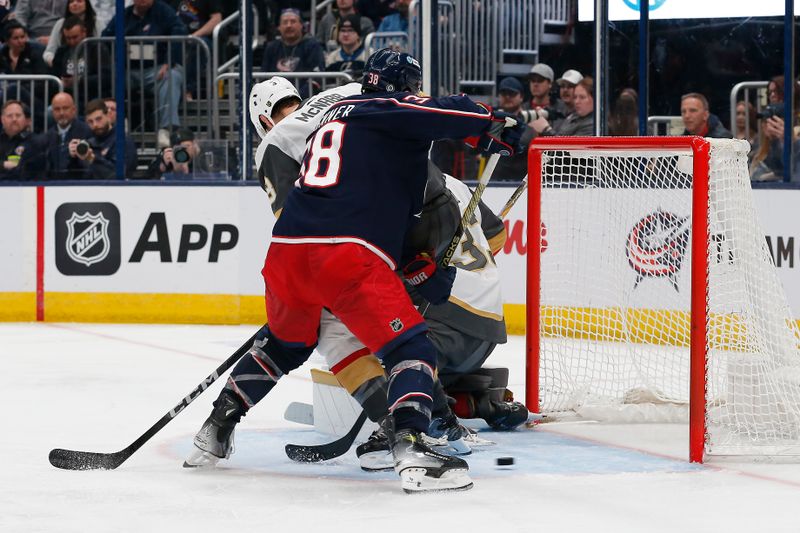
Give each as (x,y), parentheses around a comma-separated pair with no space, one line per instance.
(98,387)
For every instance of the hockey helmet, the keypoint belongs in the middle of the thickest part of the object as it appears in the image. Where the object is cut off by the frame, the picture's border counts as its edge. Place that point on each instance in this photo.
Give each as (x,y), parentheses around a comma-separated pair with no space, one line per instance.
(389,71)
(264,96)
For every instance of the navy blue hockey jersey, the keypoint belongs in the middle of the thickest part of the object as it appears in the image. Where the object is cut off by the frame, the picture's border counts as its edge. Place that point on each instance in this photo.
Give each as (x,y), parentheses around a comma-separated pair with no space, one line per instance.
(364,170)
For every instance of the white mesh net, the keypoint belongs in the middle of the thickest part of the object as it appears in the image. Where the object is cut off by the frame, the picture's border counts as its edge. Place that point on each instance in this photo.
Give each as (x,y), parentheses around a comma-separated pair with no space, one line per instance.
(615,295)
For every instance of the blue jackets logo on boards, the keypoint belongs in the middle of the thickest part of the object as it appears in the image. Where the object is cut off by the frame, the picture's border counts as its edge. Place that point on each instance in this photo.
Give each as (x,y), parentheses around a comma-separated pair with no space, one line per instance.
(656,246)
(634,4)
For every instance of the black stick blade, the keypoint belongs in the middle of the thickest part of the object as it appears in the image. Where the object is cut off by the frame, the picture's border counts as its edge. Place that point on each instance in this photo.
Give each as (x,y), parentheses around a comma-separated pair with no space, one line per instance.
(324,452)
(74,460)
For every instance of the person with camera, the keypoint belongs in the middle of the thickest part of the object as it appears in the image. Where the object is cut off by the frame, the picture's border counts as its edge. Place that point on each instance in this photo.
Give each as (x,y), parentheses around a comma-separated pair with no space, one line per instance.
(515,167)
(60,165)
(698,120)
(177,160)
(578,123)
(766,163)
(98,154)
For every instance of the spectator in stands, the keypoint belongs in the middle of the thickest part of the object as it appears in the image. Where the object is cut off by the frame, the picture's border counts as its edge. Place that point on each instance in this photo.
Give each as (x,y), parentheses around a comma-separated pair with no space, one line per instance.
(156,18)
(698,120)
(19,55)
(94,65)
(39,16)
(326,30)
(566,90)
(578,123)
(746,122)
(775,90)
(16,151)
(351,55)
(624,117)
(60,165)
(176,161)
(201,17)
(541,82)
(75,8)
(396,21)
(510,101)
(766,163)
(111,106)
(293,52)
(99,160)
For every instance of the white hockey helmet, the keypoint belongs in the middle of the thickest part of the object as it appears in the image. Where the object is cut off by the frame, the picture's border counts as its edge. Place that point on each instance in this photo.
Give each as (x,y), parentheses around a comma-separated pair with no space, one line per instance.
(263,98)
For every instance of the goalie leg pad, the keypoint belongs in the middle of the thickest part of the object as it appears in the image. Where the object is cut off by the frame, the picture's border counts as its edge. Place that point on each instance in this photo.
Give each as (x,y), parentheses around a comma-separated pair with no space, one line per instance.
(260,369)
(411,366)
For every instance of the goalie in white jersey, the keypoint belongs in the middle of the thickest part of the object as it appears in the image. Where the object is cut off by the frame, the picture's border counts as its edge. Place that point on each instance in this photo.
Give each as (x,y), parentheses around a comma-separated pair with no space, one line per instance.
(464,330)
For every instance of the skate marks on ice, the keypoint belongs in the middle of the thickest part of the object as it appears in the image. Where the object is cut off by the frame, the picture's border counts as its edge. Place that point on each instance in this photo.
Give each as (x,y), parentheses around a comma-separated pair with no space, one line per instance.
(534,453)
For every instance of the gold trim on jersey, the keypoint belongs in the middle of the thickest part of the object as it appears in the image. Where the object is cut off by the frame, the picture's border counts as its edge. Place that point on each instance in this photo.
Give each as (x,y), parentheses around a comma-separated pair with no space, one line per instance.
(497,242)
(464,305)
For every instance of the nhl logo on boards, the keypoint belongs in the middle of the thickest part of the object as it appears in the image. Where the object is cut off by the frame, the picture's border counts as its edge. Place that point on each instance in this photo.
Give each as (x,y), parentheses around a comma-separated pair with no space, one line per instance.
(396,325)
(656,246)
(87,239)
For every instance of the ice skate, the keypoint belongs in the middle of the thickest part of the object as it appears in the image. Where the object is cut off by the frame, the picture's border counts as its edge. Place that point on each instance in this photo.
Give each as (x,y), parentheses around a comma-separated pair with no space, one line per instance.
(422,469)
(376,453)
(460,439)
(214,441)
(505,416)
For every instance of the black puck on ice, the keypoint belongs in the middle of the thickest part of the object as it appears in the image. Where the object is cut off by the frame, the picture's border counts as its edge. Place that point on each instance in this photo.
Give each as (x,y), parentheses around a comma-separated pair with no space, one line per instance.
(505,461)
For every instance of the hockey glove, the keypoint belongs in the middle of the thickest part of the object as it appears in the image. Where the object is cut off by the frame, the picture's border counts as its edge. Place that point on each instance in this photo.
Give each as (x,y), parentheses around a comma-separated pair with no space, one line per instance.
(502,136)
(432,282)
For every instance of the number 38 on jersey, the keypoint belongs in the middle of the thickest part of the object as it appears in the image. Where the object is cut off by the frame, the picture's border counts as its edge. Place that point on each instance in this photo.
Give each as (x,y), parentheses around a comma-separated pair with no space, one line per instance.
(323,162)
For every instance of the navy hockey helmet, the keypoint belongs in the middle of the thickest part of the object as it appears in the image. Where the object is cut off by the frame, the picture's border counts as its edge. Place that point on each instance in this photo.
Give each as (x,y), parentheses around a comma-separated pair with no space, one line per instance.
(390,71)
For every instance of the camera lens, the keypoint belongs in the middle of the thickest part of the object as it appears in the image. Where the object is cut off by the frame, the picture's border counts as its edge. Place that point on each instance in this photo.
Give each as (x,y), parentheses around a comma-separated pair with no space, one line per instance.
(82,148)
(180,154)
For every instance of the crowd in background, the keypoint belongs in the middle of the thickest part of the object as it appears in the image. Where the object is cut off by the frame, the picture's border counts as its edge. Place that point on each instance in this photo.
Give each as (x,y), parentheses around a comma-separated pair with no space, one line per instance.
(41,37)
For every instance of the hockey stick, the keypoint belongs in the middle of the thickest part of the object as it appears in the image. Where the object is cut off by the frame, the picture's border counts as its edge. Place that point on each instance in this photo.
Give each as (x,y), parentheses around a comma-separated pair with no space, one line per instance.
(76,460)
(514,197)
(323,452)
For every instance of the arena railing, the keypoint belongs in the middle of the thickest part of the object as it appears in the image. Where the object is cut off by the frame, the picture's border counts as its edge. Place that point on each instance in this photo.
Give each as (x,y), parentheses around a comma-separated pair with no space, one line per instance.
(397,40)
(316,9)
(746,88)
(670,122)
(142,55)
(446,60)
(34,90)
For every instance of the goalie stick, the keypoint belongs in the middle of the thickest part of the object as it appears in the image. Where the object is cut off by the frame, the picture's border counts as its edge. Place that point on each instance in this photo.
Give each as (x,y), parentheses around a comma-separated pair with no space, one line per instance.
(323,452)
(77,460)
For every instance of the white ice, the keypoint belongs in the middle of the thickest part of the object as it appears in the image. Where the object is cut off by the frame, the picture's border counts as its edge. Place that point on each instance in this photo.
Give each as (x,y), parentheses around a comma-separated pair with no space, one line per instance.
(98,387)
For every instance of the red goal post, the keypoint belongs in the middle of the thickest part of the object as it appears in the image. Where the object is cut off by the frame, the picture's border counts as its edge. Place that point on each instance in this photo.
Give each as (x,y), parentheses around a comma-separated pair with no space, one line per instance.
(572,346)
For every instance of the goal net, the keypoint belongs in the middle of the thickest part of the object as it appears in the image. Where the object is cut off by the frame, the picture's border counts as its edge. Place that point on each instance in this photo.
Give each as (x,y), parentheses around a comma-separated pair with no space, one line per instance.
(654,297)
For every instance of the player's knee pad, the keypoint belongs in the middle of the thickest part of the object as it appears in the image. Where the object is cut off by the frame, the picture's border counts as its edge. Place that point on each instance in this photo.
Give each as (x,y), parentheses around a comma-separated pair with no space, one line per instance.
(411,367)
(268,360)
(362,375)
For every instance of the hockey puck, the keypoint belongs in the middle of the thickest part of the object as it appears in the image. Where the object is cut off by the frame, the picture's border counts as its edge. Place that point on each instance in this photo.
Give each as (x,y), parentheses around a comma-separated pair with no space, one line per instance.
(505,461)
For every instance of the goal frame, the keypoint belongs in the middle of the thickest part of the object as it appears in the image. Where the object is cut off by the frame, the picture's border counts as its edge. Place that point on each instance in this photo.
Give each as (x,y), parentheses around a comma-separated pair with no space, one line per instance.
(700,149)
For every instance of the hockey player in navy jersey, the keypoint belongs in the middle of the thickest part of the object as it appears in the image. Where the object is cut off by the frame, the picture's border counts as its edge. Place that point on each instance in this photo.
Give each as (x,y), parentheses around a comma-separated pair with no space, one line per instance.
(339,240)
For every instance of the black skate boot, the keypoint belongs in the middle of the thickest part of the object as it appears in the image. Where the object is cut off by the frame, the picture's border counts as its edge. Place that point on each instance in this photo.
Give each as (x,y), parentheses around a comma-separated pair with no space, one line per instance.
(214,441)
(376,454)
(423,469)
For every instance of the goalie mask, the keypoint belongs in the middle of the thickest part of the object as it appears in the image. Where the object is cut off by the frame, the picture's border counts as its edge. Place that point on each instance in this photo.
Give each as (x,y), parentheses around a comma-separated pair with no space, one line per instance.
(264,96)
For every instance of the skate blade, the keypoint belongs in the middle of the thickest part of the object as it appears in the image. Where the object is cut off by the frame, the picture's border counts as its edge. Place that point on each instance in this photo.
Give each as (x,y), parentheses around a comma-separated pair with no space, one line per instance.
(200,459)
(414,481)
(377,461)
(454,447)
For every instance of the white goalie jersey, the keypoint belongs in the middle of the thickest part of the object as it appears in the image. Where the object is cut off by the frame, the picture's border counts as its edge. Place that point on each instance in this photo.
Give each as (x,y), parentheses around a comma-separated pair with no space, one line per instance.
(279,154)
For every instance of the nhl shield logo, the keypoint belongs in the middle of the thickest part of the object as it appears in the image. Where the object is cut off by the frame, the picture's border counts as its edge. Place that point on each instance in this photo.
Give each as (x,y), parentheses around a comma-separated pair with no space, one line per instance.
(396,325)
(87,238)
